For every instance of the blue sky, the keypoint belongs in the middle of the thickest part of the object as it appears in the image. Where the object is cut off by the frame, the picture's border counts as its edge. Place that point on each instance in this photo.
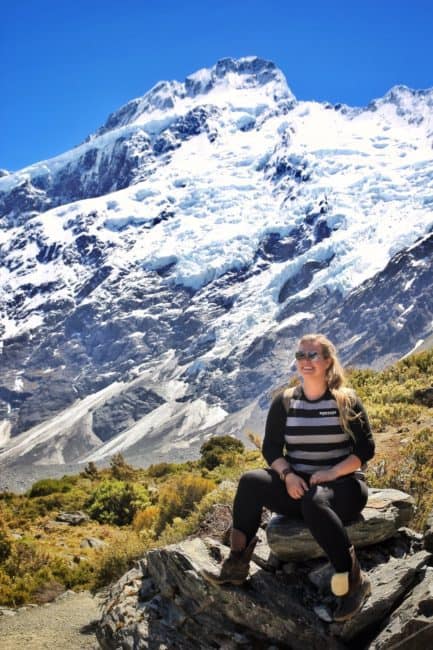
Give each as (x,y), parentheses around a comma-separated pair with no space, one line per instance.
(65,65)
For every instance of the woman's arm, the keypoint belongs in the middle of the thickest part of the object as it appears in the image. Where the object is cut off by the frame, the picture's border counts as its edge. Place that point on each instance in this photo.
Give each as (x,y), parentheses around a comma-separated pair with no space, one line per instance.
(273,447)
(273,442)
(346,466)
(363,443)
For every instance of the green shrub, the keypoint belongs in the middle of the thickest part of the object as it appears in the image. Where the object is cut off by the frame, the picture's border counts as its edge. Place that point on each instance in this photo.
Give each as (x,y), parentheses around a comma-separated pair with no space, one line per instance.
(116,502)
(161,469)
(47,486)
(220,449)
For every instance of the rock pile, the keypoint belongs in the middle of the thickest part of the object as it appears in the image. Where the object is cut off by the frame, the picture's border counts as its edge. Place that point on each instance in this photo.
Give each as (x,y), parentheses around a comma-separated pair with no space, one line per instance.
(165,603)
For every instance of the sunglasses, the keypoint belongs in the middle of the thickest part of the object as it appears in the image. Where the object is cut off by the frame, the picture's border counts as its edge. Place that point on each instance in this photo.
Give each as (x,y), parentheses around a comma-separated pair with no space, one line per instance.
(312,356)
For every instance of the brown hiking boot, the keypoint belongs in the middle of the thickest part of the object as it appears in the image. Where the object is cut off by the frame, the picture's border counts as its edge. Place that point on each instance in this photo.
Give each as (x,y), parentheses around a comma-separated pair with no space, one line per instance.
(234,570)
(352,588)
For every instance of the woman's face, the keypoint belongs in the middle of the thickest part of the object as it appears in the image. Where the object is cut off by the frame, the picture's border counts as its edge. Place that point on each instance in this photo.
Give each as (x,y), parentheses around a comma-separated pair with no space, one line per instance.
(310,361)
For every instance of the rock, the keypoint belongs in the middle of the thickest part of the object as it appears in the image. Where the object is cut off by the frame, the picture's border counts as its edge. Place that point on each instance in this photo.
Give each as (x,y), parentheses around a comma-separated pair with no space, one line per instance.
(323,613)
(210,608)
(72,518)
(424,396)
(92,542)
(386,511)
(428,533)
(5,611)
(410,626)
(165,602)
(321,576)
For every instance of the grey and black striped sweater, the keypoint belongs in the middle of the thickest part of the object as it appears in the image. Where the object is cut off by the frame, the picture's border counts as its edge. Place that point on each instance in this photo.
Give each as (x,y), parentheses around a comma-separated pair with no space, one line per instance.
(309,435)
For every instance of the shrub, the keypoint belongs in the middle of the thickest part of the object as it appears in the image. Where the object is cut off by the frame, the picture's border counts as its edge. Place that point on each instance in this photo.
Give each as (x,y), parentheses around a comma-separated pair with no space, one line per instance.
(120,469)
(90,471)
(409,468)
(178,497)
(116,502)
(223,494)
(160,469)
(146,519)
(47,486)
(116,560)
(5,546)
(220,449)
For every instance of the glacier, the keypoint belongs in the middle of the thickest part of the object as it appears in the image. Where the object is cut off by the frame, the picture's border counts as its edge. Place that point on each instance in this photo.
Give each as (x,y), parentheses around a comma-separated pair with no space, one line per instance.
(188,242)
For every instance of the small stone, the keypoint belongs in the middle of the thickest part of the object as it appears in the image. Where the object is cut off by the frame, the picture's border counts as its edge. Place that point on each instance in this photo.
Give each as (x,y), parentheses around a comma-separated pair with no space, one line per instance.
(321,576)
(4,611)
(92,542)
(72,518)
(323,613)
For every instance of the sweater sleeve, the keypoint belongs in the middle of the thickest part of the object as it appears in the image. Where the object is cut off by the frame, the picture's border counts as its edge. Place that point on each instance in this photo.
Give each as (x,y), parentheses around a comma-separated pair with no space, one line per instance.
(273,443)
(363,446)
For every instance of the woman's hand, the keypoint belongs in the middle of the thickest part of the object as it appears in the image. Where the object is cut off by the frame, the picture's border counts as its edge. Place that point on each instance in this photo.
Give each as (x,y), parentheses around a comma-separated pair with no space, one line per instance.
(323,476)
(295,485)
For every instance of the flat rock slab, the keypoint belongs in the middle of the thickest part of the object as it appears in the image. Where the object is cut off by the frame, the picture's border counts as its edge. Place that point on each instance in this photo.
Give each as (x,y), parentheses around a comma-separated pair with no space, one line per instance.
(386,511)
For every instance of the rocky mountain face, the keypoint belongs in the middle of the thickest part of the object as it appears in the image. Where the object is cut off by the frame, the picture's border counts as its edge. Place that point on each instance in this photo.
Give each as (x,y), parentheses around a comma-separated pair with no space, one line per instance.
(154,279)
(286,602)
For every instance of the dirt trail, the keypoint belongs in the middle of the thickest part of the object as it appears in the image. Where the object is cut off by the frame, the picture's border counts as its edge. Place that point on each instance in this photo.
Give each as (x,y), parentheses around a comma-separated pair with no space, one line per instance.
(68,622)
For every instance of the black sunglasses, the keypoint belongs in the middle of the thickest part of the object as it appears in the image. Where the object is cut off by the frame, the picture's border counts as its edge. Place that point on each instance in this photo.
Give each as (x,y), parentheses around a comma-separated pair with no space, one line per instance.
(300,354)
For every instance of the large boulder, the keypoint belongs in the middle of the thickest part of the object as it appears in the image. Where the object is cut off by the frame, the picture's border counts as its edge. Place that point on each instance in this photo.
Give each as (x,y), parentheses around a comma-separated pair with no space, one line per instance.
(166,603)
(386,511)
(200,615)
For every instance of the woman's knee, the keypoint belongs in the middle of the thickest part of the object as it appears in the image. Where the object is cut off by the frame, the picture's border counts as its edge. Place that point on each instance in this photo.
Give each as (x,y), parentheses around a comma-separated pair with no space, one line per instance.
(313,500)
(253,478)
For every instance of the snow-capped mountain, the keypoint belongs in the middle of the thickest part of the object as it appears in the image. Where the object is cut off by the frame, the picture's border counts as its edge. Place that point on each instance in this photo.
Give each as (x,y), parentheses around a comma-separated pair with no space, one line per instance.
(154,279)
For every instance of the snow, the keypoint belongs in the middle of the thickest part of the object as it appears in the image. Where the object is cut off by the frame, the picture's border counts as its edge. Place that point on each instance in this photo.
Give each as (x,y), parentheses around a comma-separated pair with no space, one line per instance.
(372,168)
(224,205)
(415,348)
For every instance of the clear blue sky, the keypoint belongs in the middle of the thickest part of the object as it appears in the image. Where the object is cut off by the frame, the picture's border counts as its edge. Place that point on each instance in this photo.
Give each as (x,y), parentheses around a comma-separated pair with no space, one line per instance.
(66,64)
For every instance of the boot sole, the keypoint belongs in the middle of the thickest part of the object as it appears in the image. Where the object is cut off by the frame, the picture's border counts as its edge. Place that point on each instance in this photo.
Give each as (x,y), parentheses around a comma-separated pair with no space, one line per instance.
(366,594)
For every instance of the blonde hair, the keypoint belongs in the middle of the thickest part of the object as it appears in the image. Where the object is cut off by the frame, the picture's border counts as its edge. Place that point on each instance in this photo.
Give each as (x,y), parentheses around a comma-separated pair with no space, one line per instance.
(336,380)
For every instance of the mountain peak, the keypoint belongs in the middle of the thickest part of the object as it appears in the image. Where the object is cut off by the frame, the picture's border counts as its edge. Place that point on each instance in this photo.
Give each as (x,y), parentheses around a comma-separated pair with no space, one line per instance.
(410,103)
(244,73)
(228,76)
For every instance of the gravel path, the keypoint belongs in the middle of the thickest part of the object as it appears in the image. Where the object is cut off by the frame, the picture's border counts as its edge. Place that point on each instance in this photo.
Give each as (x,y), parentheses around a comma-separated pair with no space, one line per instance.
(68,622)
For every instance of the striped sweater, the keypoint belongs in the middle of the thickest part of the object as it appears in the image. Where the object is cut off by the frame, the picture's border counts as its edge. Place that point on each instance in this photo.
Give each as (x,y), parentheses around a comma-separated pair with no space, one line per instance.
(309,435)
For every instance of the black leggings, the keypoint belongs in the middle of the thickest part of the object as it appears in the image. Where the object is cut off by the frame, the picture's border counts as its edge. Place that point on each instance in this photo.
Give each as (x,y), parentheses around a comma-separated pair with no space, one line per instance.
(323,507)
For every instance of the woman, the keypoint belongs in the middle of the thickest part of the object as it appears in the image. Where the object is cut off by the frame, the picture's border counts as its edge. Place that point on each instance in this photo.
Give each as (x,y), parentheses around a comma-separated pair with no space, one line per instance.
(317,438)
